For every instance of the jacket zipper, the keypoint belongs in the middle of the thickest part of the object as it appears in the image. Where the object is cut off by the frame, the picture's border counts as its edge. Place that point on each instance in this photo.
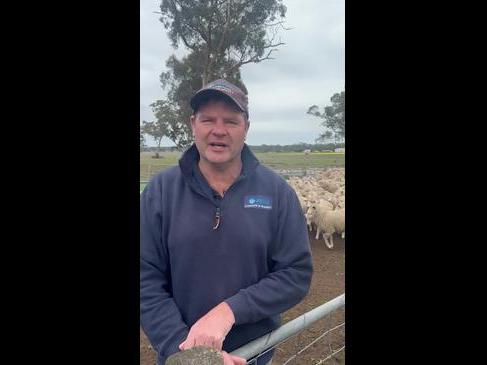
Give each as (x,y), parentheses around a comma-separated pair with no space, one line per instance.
(218,217)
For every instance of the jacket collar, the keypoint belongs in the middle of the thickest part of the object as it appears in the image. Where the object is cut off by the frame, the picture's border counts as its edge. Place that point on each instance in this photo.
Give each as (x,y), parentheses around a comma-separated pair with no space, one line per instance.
(192,156)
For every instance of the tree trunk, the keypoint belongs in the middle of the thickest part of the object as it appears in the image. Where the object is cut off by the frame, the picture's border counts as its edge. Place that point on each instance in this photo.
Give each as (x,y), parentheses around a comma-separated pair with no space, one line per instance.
(158,148)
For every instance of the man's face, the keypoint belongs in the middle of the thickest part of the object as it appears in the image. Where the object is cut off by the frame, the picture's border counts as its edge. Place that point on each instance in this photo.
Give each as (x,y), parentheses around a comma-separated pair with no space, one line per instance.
(219,133)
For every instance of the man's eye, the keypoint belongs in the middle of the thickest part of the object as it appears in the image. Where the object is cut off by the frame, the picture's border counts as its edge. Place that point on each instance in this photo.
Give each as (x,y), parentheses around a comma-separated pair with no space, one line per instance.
(232,122)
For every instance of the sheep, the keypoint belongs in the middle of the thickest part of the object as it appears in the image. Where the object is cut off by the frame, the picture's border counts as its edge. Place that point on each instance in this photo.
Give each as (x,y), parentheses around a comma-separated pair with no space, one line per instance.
(340,191)
(309,216)
(313,208)
(329,186)
(320,194)
(340,202)
(328,222)
(326,190)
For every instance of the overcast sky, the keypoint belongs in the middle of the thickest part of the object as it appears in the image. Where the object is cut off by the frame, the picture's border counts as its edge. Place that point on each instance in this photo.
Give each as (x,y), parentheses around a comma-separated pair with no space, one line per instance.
(307,70)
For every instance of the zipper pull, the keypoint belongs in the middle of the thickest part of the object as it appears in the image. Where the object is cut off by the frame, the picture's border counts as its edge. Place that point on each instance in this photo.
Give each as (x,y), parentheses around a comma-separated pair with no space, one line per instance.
(217,218)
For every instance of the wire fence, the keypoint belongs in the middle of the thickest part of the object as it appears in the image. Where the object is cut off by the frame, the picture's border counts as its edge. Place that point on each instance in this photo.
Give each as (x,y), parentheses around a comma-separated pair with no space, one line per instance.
(147,171)
(329,348)
(290,164)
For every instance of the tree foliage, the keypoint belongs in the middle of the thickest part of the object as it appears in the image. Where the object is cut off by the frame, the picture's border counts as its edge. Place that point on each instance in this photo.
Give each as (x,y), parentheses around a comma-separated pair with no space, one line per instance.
(156,130)
(142,139)
(170,124)
(222,36)
(333,118)
(224,32)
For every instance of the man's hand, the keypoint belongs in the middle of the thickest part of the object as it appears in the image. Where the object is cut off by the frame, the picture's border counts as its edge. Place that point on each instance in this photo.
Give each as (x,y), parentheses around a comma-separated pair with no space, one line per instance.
(232,360)
(211,329)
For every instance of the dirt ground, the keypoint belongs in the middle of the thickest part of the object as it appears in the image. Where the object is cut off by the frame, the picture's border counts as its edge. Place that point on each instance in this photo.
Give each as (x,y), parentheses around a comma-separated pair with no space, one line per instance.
(328,282)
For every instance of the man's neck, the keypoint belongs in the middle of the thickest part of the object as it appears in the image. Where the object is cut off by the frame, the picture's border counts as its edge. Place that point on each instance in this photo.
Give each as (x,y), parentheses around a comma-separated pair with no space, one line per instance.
(220,177)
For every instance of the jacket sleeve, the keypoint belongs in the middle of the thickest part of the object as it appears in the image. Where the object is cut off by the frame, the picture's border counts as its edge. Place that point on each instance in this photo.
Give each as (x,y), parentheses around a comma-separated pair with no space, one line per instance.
(160,317)
(290,266)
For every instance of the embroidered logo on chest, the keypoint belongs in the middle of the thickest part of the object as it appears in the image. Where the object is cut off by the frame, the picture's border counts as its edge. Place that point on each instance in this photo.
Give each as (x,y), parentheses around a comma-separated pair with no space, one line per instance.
(258,201)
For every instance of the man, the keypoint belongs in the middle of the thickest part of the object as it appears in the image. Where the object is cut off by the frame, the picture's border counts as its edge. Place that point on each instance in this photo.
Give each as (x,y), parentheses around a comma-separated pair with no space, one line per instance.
(224,244)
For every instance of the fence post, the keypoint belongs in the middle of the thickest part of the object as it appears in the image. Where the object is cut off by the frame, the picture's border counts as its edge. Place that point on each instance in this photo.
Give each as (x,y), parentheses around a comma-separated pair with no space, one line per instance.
(199,355)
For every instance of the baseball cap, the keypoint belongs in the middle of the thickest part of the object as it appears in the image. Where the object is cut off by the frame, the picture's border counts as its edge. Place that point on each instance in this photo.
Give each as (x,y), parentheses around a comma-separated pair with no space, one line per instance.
(224,87)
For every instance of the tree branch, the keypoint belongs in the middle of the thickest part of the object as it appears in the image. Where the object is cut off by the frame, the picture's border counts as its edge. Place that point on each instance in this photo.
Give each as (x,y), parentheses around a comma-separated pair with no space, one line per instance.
(225,29)
(254,59)
(273,45)
(278,23)
(186,43)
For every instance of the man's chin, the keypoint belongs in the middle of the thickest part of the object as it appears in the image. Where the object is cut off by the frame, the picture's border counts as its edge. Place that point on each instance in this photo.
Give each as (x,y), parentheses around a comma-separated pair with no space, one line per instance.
(218,159)
(217,156)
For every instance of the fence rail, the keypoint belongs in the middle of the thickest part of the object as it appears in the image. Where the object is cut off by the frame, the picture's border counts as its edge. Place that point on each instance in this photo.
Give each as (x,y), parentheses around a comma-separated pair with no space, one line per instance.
(268,341)
(285,172)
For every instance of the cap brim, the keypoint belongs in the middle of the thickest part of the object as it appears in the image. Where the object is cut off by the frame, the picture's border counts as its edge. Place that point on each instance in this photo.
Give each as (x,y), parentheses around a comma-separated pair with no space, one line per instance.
(201,95)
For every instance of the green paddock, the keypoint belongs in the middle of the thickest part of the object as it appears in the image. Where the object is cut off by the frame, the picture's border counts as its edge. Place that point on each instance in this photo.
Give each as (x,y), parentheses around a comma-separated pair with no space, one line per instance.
(275,160)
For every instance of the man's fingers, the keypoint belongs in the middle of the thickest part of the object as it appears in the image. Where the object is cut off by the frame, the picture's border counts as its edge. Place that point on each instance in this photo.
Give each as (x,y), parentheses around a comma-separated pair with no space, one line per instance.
(232,360)
(218,344)
(227,360)
(181,345)
(238,360)
(195,339)
(187,344)
(202,341)
(209,341)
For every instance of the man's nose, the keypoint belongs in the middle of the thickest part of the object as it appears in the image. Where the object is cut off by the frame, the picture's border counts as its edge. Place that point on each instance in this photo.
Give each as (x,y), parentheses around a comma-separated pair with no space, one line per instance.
(219,128)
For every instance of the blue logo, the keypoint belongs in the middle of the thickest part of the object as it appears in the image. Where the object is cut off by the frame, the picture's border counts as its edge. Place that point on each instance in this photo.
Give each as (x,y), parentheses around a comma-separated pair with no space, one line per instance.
(258,201)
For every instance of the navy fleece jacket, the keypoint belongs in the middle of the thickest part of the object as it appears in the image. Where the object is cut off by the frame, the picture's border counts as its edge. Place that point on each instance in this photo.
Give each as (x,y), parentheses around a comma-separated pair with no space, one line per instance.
(258,259)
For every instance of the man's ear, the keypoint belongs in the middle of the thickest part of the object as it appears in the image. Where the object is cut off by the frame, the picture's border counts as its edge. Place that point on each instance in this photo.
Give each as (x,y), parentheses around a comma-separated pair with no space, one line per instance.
(191,121)
(247,126)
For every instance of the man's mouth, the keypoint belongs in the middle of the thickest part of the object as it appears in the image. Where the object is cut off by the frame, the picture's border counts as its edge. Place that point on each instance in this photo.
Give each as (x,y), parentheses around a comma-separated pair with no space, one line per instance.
(217,144)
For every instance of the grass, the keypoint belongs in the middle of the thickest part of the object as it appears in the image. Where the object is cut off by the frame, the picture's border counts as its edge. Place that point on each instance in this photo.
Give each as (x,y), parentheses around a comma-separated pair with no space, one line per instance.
(275,160)
(149,166)
(299,160)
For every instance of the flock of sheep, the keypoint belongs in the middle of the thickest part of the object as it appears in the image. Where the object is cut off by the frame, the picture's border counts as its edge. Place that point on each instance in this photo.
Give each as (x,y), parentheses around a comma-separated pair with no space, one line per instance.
(322,197)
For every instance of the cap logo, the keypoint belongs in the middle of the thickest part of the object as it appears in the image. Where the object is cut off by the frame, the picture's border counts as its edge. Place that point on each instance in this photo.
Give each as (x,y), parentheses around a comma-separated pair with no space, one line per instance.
(223,88)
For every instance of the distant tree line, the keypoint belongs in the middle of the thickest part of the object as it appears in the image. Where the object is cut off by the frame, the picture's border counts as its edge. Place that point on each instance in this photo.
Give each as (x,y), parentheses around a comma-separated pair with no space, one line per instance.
(298,147)
(156,149)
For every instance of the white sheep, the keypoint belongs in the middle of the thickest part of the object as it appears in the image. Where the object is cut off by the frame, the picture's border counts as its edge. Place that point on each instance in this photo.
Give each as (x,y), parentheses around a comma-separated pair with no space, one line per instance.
(321,206)
(329,222)
(340,202)
(329,186)
(325,189)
